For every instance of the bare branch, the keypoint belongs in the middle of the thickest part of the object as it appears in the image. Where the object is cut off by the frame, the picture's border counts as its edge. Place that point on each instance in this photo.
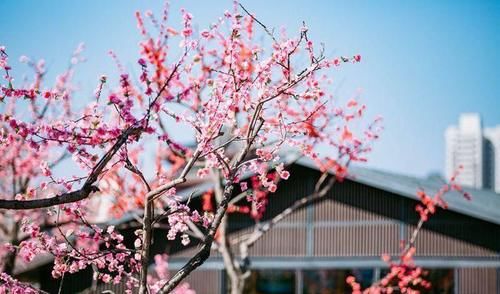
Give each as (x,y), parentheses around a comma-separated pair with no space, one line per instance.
(260,23)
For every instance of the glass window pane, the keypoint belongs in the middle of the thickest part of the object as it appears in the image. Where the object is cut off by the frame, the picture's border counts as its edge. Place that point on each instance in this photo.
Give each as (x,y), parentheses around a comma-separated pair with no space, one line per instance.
(271,281)
(330,281)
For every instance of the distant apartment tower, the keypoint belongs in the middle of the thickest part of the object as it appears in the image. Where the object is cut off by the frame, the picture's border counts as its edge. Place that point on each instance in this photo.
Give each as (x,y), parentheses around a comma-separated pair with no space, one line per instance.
(464,147)
(492,150)
(474,148)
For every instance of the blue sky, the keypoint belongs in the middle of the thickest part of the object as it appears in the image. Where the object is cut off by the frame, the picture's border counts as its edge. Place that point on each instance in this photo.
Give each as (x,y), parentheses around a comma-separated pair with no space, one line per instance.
(424,62)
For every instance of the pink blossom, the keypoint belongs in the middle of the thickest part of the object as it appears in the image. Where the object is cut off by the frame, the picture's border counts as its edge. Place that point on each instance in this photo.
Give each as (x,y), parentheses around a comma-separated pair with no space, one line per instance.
(203,172)
(45,169)
(106,278)
(224,85)
(285,175)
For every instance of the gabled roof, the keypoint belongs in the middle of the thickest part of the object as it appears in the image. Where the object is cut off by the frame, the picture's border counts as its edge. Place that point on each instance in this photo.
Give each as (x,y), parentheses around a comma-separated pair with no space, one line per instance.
(485,204)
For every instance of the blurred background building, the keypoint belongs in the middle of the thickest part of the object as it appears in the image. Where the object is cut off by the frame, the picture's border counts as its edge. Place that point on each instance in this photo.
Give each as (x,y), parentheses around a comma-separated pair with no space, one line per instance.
(477,150)
(492,137)
(313,250)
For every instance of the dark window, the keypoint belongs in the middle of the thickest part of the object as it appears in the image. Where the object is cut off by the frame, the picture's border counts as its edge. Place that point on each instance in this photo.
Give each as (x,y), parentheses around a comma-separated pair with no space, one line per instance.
(333,281)
(441,281)
(330,281)
(271,281)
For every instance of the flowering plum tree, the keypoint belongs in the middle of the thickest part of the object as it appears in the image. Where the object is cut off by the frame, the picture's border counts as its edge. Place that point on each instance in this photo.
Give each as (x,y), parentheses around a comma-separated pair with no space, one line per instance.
(246,102)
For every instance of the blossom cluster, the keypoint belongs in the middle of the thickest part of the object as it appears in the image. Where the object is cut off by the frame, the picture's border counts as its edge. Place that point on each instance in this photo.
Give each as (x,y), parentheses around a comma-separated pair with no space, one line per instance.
(244,102)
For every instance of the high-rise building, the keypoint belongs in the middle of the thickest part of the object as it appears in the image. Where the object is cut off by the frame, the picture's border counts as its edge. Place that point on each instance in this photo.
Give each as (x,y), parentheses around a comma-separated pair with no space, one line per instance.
(492,150)
(477,150)
(464,147)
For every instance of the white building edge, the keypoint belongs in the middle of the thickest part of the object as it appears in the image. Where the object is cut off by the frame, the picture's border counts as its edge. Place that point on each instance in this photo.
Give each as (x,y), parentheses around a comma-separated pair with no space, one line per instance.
(477,150)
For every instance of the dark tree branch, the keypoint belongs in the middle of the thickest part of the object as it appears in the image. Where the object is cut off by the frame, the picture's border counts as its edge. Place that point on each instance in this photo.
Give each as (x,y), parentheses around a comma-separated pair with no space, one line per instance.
(204,253)
(74,196)
(77,195)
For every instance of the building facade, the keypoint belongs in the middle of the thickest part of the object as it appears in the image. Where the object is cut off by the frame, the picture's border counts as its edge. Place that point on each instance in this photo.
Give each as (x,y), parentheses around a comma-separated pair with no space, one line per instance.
(477,150)
(314,249)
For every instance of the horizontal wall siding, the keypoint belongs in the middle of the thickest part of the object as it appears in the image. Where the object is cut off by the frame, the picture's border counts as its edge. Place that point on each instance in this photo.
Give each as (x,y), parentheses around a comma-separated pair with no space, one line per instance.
(431,243)
(342,230)
(281,242)
(296,217)
(478,281)
(364,240)
(205,281)
(330,210)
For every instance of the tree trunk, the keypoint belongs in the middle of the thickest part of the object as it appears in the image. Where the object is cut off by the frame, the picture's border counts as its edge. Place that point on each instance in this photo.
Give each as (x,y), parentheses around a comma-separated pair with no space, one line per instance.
(146,244)
(10,259)
(232,269)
